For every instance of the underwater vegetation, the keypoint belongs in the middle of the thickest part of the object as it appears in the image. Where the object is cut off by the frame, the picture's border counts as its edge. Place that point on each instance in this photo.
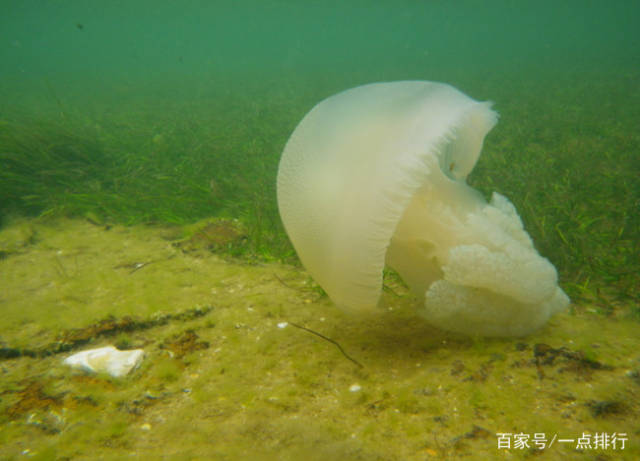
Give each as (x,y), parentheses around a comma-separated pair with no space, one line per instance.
(570,171)
(581,205)
(150,168)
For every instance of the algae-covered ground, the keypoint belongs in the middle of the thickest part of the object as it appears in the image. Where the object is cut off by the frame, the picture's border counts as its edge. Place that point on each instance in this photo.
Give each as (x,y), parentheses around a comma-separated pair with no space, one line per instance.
(230,374)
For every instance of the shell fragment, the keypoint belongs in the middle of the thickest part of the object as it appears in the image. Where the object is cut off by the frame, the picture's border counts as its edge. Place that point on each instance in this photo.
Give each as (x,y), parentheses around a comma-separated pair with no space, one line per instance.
(106,359)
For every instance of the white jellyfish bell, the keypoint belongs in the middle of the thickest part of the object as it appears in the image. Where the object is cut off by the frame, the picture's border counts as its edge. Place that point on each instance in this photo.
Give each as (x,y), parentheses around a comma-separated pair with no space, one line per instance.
(376,175)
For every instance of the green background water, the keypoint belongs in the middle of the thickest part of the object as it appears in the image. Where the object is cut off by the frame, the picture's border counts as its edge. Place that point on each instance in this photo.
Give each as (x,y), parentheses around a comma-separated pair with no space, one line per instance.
(97,45)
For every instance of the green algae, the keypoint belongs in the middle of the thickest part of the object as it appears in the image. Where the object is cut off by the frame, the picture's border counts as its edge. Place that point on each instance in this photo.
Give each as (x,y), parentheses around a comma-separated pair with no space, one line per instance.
(214,386)
(572,174)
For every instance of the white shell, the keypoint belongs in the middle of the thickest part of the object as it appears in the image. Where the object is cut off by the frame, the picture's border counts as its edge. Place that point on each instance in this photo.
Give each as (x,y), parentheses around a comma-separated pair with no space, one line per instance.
(106,359)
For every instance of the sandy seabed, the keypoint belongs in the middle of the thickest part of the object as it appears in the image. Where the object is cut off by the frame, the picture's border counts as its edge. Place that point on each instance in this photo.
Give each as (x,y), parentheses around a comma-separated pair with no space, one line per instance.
(227,376)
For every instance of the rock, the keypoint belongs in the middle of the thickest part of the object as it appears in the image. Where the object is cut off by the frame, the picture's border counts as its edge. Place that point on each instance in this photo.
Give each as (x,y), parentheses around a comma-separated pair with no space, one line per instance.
(214,234)
(106,359)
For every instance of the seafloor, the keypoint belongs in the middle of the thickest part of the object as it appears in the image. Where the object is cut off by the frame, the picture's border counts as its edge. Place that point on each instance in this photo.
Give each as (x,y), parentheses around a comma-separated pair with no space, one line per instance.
(229,374)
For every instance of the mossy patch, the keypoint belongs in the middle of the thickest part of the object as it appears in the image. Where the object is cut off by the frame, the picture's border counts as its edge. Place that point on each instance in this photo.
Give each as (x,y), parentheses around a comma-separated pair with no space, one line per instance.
(215,234)
(223,361)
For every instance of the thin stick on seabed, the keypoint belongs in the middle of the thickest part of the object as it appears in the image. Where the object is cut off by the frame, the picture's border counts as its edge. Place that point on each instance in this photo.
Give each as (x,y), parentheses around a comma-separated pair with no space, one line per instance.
(327,339)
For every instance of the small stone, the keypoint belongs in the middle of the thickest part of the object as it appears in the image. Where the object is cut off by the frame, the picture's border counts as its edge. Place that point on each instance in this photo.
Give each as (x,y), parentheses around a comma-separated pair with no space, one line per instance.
(106,359)
(424,391)
(355,388)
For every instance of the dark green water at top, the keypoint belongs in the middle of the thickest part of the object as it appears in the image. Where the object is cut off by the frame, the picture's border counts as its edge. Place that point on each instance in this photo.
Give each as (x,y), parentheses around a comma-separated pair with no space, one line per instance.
(102,45)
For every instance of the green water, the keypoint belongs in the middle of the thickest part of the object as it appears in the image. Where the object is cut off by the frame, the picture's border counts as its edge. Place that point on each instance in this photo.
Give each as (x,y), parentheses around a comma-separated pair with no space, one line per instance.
(127,113)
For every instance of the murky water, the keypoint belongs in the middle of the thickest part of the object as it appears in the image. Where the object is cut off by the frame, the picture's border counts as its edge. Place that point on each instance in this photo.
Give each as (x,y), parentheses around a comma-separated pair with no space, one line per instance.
(139,148)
